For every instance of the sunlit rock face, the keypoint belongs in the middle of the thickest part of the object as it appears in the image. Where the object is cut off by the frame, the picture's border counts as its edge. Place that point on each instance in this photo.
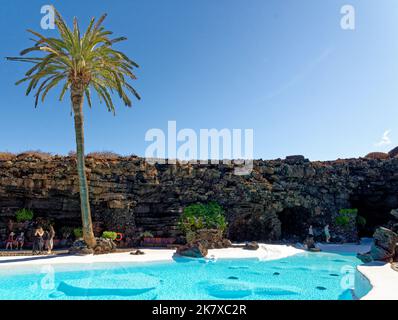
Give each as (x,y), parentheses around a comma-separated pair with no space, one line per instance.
(278,200)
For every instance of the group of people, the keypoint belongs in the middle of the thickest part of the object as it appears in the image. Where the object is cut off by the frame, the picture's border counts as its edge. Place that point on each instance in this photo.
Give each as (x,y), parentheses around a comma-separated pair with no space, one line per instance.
(326,232)
(17,241)
(309,242)
(43,240)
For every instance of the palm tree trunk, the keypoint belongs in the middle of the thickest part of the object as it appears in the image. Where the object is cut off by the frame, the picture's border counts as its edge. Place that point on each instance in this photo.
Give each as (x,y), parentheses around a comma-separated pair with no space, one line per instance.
(77,104)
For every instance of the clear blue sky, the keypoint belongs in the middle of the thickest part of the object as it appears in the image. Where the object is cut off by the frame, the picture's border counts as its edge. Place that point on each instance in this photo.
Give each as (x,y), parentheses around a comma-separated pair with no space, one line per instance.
(284,68)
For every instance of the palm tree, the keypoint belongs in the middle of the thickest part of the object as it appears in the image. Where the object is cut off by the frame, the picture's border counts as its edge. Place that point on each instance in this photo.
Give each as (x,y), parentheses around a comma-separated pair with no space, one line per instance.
(82,64)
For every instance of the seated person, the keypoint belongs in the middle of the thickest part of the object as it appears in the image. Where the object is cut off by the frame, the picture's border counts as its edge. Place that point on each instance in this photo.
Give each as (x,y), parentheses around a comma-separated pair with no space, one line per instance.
(20,240)
(10,241)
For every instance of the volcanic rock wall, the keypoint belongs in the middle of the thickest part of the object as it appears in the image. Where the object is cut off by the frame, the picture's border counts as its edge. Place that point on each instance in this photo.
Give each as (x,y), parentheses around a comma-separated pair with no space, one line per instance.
(279,199)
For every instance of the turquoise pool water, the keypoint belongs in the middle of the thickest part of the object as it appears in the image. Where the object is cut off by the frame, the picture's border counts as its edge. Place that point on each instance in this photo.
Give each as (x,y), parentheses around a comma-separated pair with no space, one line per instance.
(303,276)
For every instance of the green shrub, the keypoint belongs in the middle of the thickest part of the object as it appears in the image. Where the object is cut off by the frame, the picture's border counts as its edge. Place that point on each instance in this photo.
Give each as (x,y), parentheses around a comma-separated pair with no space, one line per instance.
(352,212)
(78,232)
(202,216)
(346,216)
(342,220)
(361,221)
(109,235)
(146,234)
(23,215)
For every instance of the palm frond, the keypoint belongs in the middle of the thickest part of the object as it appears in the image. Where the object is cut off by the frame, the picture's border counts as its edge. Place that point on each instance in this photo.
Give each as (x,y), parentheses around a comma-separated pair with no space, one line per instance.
(84,61)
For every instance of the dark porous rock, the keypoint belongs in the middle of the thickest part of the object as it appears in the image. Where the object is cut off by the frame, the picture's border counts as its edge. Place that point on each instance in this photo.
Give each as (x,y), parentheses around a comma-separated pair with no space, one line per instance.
(137,252)
(396,254)
(226,243)
(365,257)
(211,235)
(276,201)
(394,213)
(393,153)
(295,159)
(384,244)
(211,239)
(380,254)
(104,246)
(255,227)
(251,246)
(196,250)
(80,247)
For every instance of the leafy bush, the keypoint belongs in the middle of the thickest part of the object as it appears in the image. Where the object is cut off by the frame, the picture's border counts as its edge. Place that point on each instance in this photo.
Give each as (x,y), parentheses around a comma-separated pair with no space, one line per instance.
(23,215)
(342,220)
(352,212)
(109,235)
(146,234)
(345,216)
(78,232)
(361,221)
(202,216)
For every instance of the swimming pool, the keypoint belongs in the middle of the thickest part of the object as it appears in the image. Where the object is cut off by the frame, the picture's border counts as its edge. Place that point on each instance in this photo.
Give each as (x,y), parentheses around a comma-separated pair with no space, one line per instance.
(320,276)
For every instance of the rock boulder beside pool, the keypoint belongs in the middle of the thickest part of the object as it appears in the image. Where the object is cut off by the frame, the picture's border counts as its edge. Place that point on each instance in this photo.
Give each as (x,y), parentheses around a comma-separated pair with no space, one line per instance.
(384,245)
(394,213)
(251,246)
(194,250)
(103,246)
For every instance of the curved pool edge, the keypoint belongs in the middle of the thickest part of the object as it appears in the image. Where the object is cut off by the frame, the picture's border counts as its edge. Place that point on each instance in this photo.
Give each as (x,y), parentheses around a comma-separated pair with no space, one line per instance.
(362,285)
(312,267)
(382,279)
(266,252)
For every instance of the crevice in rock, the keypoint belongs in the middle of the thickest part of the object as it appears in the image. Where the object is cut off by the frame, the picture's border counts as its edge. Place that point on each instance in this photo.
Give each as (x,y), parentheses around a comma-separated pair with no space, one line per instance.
(295,222)
(375,207)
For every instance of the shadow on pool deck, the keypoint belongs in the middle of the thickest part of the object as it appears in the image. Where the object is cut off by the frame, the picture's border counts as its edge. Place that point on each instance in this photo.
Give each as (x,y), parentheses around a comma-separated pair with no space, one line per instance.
(32,258)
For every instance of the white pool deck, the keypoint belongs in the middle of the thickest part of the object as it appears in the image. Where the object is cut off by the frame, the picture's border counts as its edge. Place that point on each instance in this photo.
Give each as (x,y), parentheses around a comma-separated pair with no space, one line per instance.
(383,279)
(266,252)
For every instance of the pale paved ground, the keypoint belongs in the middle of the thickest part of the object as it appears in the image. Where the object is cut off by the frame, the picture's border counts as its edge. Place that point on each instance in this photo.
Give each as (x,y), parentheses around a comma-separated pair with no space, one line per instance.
(266,252)
(383,279)
(381,276)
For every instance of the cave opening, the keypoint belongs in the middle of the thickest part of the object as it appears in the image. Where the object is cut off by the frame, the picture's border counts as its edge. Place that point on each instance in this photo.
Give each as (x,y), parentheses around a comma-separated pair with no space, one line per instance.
(375,208)
(294,223)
